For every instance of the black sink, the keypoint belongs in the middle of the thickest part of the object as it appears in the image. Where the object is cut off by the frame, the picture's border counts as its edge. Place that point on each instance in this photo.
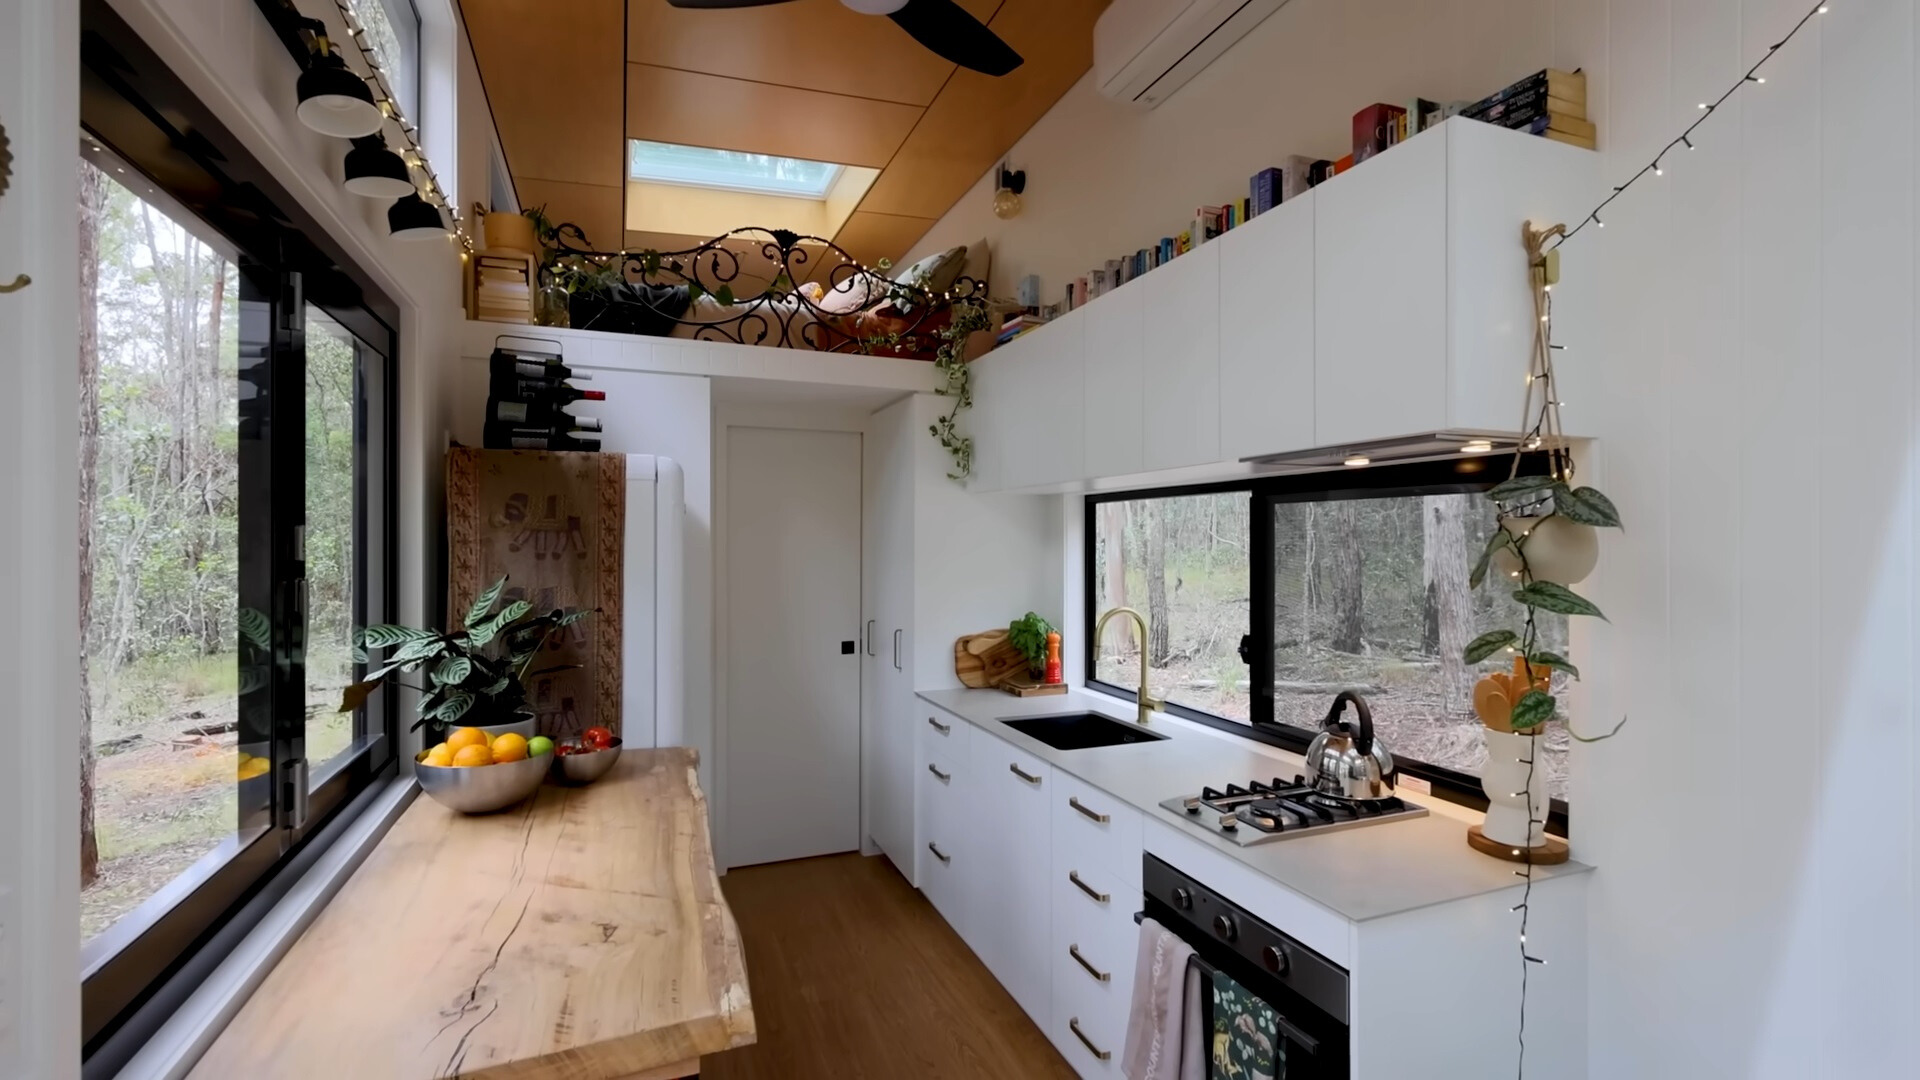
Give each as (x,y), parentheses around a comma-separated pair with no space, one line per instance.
(1081,731)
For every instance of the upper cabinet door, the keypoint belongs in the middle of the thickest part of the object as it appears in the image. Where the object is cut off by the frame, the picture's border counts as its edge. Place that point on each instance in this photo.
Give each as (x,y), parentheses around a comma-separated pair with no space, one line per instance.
(1114,413)
(1049,443)
(987,423)
(1380,296)
(1266,333)
(1181,374)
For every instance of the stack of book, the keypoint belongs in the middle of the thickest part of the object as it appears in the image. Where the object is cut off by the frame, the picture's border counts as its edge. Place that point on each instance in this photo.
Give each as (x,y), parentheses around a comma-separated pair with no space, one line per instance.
(1550,103)
(1380,127)
(527,398)
(1023,321)
(503,287)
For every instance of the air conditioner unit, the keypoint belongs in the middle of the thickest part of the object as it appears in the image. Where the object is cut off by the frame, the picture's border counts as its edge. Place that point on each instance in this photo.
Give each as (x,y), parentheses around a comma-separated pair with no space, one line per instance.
(1144,50)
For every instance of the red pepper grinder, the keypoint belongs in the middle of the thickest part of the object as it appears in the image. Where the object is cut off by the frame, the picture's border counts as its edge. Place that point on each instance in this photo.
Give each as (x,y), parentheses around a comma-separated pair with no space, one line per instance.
(1053,659)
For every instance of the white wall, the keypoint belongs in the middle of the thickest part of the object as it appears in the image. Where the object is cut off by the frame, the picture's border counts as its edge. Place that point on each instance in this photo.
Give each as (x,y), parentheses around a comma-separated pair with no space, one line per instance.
(1753,914)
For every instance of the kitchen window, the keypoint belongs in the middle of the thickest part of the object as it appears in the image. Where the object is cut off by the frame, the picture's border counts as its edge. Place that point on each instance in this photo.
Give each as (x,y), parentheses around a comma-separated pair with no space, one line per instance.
(1265,598)
(237,397)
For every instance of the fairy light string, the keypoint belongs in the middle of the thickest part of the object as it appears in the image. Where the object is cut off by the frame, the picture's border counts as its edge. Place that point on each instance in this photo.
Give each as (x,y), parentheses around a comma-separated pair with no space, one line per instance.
(1544,432)
(412,152)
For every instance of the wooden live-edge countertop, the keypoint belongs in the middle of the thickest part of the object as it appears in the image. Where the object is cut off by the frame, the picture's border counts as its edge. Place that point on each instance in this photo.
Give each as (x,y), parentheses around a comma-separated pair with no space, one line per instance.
(581,935)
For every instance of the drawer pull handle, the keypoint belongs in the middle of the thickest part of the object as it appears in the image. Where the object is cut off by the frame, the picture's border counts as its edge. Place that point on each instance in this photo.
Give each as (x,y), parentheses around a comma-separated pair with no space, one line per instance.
(1090,815)
(1073,1023)
(1024,775)
(944,729)
(1098,897)
(1102,976)
(944,778)
(937,853)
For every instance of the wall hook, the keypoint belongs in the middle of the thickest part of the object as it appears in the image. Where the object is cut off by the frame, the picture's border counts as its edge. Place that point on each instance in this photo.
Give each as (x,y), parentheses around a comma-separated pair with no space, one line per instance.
(6,177)
(19,282)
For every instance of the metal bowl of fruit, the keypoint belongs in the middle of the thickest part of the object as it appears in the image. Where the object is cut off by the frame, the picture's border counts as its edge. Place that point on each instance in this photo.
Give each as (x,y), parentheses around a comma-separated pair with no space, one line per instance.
(587,758)
(477,775)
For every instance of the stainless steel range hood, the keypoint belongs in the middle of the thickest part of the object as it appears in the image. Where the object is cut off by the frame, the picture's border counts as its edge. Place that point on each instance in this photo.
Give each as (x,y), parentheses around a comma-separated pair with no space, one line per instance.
(1433,446)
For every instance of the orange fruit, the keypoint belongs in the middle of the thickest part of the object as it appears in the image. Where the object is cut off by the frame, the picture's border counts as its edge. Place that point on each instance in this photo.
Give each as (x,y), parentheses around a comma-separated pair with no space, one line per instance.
(469,756)
(440,756)
(509,746)
(465,737)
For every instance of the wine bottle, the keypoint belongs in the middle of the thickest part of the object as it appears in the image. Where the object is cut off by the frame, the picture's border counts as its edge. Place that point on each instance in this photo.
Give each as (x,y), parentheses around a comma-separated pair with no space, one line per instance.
(538,412)
(541,440)
(503,363)
(565,435)
(530,388)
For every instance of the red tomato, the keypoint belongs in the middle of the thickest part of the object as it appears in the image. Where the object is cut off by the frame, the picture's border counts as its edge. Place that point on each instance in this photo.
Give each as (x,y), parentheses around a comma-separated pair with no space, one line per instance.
(566,749)
(598,738)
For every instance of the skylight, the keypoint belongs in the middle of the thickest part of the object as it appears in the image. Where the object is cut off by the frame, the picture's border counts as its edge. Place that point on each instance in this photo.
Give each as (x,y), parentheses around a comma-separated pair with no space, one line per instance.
(729,170)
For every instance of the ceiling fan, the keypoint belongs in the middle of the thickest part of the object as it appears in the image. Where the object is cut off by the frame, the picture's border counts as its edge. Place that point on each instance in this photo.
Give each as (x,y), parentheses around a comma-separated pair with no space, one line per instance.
(941,25)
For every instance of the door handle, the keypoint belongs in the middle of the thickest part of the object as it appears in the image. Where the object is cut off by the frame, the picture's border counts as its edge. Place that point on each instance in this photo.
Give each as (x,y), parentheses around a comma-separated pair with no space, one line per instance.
(896,649)
(1024,775)
(1101,976)
(866,639)
(1074,876)
(1074,1024)
(944,729)
(1091,815)
(937,774)
(937,853)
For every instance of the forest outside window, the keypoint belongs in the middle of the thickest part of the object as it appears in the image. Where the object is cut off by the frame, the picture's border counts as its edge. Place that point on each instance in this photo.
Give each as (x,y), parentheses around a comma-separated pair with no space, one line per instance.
(1360,588)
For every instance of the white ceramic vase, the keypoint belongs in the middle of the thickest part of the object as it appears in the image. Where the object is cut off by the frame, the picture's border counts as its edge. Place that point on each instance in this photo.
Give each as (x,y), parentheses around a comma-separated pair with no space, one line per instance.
(1512,802)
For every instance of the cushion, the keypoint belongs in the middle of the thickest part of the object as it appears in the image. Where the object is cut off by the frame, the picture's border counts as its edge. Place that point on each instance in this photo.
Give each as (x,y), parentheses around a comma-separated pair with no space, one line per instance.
(857,291)
(979,264)
(936,272)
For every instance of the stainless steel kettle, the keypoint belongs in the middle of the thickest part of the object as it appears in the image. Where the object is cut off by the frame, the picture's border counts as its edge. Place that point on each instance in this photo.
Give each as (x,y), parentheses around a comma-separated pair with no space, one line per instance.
(1345,760)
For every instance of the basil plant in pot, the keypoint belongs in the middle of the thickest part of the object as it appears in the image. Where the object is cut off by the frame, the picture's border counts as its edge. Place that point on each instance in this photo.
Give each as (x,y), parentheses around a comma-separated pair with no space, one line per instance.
(476,675)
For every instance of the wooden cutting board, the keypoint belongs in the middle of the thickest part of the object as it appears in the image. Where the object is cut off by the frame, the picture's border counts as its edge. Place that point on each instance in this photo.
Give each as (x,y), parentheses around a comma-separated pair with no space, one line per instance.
(985,660)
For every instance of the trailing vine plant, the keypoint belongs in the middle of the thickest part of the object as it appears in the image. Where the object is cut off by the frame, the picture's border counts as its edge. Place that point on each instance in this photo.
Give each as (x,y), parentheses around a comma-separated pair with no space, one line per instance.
(956,382)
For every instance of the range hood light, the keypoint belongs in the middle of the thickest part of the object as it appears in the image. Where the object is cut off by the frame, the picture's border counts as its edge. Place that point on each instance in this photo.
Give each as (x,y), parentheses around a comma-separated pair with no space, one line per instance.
(1358,460)
(1433,446)
(1478,446)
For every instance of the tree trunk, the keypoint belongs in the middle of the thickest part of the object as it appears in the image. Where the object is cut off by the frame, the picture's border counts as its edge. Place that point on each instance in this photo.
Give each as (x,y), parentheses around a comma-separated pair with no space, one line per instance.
(1118,639)
(1348,571)
(92,209)
(1157,636)
(1444,523)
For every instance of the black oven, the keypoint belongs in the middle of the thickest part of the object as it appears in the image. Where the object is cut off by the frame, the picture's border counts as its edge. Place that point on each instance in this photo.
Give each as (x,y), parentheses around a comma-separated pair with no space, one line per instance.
(1306,992)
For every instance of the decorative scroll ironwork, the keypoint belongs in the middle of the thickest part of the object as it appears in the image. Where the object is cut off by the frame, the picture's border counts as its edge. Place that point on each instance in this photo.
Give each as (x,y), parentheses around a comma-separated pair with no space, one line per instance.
(767,303)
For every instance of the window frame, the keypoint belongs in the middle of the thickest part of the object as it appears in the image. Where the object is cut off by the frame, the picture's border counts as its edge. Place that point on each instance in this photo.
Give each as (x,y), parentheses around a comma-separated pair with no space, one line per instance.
(1453,475)
(153,125)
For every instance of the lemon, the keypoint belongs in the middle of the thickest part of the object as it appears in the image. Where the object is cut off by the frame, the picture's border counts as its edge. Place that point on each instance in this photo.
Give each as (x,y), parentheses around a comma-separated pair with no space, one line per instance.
(439,757)
(253,767)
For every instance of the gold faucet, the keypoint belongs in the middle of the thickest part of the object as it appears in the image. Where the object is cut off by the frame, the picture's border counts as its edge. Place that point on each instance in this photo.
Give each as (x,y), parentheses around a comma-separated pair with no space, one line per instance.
(1148,702)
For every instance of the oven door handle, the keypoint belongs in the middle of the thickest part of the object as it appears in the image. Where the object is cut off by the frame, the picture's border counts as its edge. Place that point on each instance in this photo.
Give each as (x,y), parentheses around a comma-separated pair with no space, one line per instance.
(1293,1034)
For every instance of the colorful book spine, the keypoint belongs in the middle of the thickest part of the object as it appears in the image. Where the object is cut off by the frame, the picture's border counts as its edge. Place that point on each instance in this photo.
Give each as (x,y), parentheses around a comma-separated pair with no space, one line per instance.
(1375,129)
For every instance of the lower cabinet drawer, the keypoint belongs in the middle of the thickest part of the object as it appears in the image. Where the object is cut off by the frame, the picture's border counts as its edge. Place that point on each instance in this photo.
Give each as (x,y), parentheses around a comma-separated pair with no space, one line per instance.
(1089,1023)
(943,870)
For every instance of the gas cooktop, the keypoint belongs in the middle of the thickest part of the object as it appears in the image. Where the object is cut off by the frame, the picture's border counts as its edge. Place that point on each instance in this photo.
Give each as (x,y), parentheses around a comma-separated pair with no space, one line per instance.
(1259,812)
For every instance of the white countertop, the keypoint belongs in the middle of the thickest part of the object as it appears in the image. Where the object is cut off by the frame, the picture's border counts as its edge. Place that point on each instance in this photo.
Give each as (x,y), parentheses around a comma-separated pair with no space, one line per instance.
(1361,874)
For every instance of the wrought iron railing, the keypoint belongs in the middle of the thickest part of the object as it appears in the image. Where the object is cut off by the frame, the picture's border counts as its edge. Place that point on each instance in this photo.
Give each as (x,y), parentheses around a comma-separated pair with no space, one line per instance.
(765,302)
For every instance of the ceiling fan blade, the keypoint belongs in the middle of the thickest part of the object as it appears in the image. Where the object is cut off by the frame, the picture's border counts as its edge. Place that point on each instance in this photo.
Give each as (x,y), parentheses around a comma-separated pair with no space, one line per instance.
(945,27)
(723,3)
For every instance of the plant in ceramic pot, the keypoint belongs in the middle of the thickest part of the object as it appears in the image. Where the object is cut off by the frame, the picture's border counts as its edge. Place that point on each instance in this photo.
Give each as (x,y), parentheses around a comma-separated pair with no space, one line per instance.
(1028,633)
(1545,542)
(477,674)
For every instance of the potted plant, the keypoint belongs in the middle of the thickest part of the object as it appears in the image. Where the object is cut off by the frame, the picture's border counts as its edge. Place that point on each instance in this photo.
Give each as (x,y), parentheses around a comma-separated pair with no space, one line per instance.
(1028,633)
(477,674)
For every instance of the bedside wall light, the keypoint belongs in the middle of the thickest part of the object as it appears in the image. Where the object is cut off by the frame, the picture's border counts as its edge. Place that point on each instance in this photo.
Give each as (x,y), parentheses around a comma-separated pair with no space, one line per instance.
(1006,192)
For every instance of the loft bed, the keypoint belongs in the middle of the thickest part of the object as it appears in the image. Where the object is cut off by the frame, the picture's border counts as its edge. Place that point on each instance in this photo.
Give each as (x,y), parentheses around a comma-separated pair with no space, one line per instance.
(772,287)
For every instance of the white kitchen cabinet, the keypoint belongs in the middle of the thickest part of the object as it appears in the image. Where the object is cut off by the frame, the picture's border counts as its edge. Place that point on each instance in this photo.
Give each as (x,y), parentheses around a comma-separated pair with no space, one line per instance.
(1180,343)
(886,691)
(1095,882)
(1111,360)
(1266,333)
(992,422)
(1049,406)
(1380,296)
(1009,788)
(944,820)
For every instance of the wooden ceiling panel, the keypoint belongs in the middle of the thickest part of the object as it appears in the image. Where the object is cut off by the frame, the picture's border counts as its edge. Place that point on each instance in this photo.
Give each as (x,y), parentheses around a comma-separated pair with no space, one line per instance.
(599,210)
(694,109)
(810,44)
(977,117)
(870,237)
(553,74)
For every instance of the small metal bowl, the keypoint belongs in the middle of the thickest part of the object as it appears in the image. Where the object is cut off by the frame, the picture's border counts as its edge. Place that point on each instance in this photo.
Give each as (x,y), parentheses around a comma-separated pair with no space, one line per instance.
(585,766)
(481,789)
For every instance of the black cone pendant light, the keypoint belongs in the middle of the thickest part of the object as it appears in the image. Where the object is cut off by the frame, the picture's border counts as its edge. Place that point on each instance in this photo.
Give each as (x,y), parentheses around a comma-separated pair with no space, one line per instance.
(333,100)
(413,218)
(377,172)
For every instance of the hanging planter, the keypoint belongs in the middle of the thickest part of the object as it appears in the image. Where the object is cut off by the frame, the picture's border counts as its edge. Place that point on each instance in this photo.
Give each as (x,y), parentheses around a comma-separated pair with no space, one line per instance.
(1558,549)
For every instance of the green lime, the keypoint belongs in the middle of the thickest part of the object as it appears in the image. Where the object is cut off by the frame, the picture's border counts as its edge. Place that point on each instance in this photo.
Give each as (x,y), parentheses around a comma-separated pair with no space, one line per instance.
(538,745)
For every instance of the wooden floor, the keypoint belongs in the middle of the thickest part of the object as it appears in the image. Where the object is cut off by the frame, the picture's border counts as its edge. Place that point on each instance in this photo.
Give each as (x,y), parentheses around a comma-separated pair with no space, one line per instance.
(854,974)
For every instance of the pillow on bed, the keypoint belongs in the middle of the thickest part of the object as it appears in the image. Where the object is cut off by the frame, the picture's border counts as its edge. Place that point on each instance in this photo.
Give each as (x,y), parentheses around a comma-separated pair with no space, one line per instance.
(857,291)
(936,272)
(979,264)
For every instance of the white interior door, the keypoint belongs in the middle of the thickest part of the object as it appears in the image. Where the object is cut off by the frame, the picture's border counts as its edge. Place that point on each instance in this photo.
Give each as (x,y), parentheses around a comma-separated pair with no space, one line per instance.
(793,609)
